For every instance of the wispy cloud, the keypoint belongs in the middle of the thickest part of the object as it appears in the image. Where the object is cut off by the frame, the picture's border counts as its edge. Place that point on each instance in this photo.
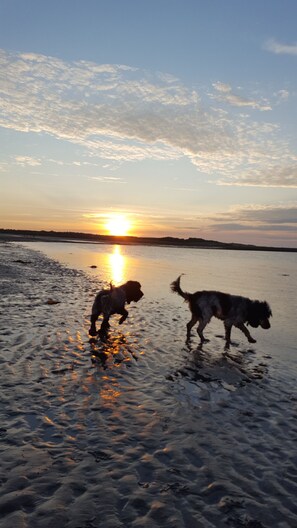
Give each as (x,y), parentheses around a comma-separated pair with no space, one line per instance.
(282,215)
(106,179)
(273,224)
(119,114)
(279,48)
(225,94)
(27,160)
(282,95)
(272,176)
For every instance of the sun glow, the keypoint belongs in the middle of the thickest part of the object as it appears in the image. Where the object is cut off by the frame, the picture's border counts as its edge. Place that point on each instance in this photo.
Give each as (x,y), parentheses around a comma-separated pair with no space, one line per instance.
(118,225)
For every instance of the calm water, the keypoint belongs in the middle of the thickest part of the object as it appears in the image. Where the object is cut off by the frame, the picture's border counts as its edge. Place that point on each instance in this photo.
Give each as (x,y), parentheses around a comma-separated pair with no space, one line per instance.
(258,275)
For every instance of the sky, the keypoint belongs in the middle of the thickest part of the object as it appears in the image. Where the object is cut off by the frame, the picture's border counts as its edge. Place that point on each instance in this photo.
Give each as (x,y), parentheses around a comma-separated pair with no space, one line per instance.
(166,117)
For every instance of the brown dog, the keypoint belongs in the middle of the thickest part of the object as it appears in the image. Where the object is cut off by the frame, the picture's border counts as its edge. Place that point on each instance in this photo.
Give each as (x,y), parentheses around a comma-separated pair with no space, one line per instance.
(112,301)
(232,309)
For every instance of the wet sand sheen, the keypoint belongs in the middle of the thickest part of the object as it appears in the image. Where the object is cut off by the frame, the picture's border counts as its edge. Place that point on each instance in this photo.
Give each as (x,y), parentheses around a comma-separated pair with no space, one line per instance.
(140,431)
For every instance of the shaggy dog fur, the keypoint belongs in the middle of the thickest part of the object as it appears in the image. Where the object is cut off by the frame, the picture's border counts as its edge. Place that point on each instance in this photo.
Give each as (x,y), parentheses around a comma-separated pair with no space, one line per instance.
(232,309)
(112,301)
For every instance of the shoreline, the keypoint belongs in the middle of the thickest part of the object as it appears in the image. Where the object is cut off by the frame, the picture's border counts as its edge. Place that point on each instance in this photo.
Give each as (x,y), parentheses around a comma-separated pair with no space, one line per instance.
(51,236)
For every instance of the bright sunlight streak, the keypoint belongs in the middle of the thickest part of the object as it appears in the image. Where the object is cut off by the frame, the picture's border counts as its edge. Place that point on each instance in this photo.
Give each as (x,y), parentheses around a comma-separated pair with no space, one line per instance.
(118,225)
(117,265)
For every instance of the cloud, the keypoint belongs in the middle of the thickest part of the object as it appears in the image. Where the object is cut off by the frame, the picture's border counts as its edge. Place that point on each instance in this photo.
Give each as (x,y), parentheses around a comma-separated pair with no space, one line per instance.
(107,179)
(283,95)
(280,49)
(222,87)
(123,114)
(225,95)
(27,160)
(272,176)
(261,217)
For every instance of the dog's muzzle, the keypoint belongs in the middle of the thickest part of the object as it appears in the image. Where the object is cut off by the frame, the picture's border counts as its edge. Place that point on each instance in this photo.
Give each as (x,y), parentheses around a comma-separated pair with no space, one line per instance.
(137,296)
(265,324)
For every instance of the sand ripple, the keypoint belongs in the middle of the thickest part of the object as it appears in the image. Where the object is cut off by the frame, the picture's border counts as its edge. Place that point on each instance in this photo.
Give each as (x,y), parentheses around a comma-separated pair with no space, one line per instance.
(140,431)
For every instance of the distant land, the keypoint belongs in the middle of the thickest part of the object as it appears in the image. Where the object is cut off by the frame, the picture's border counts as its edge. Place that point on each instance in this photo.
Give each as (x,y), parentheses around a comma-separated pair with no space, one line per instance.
(68,236)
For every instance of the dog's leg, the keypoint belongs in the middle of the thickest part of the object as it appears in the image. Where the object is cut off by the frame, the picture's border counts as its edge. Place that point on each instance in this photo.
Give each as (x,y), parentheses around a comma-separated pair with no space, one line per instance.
(190,325)
(201,326)
(244,329)
(124,315)
(104,326)
(92,330)
(228,328)
(96,311)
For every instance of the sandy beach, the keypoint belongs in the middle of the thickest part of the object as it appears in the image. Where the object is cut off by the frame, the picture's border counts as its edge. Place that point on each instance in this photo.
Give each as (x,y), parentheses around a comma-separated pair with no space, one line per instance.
(141,431)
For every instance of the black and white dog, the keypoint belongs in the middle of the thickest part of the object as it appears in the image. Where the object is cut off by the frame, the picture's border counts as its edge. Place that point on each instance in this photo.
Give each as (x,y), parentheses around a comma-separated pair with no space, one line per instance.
(234,310)
(112,301)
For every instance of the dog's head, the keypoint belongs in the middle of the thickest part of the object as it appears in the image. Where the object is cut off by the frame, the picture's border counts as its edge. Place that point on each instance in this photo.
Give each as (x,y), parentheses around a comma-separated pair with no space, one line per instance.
(133,291)
(258,314)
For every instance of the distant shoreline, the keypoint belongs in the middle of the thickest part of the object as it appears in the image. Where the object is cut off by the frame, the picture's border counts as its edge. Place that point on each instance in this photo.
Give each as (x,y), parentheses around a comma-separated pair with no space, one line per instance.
(199,243)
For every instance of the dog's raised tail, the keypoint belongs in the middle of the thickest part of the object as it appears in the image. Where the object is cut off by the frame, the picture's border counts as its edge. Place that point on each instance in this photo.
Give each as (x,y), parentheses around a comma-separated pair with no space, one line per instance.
(176,288)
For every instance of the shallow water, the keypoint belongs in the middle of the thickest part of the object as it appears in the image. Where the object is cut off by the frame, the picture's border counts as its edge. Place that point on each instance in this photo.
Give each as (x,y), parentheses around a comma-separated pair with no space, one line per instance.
(143,430)
(257,275)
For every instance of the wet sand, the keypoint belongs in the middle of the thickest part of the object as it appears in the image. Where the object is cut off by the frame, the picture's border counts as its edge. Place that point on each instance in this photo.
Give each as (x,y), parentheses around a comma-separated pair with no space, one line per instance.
(140,431)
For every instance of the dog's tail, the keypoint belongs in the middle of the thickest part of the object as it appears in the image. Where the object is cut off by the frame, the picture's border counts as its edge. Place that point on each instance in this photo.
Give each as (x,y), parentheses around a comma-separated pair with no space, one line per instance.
(175,287)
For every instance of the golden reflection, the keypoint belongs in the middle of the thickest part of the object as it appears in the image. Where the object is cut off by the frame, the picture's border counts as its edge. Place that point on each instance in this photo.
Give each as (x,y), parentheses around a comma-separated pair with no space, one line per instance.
(109,356)
(117,265)
(109,394)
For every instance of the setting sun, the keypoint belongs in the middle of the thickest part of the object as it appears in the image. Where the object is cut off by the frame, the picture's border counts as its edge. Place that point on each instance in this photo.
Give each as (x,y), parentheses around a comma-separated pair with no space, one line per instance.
(118,225)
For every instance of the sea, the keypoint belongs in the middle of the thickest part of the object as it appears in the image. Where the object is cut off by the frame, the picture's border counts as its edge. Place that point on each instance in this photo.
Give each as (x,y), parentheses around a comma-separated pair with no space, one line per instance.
(262,275)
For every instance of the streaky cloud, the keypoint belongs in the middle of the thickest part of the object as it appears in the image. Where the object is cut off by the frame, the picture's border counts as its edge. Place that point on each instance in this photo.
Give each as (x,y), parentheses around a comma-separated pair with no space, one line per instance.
(278,48)
(123,114)
(257,215)
(225,94)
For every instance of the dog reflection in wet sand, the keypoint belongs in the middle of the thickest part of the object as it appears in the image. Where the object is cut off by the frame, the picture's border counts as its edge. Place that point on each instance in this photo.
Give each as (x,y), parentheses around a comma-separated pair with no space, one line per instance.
(112,301)
(234,310)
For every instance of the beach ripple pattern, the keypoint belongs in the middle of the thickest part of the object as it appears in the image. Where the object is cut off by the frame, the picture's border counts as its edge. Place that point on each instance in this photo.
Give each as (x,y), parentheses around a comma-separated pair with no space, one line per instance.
(142,430)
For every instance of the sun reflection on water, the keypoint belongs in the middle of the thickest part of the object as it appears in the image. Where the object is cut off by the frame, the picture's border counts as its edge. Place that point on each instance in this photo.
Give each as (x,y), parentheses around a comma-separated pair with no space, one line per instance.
(117,265)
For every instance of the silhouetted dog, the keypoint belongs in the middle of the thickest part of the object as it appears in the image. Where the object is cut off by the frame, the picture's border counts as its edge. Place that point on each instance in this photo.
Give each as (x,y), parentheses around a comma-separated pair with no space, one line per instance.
(112,301)
(232,309)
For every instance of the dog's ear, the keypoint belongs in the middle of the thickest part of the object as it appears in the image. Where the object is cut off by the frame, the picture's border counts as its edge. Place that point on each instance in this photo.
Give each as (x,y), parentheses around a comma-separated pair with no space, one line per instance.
(253,317)
(258,311)
(267,310)
(263,310)
(133,291)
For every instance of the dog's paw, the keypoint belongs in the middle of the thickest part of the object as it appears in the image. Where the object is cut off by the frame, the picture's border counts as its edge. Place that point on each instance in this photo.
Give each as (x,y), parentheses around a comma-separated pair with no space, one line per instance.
(92,331)
(252,340)
(103,335)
